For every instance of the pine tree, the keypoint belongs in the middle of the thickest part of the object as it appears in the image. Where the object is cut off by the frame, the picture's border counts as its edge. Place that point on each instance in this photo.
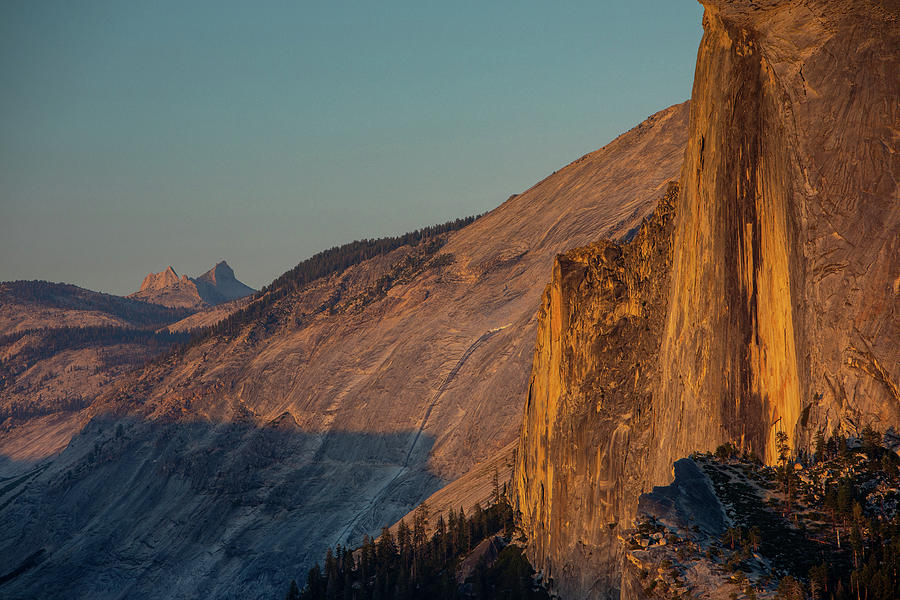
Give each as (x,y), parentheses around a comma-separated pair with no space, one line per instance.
(478,521)
(420,524)
(440,535)
(404,537)
(820,446)
(293,591)
(315,583)
(452,527)
(386,548)
(495,487)
(462,524)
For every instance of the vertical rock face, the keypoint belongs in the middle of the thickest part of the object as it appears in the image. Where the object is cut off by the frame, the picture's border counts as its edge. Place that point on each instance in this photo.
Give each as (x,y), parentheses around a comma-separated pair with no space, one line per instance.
(581,451)
(781,310)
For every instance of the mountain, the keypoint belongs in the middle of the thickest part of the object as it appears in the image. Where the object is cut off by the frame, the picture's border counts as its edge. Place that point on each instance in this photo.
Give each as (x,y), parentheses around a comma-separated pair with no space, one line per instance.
(326,407)
(219,285)
(216,286)
(155,282)
(761,300)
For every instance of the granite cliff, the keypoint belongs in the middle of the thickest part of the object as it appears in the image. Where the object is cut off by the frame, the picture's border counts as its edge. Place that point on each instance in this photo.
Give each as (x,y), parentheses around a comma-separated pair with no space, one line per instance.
(772,306)
(583,447)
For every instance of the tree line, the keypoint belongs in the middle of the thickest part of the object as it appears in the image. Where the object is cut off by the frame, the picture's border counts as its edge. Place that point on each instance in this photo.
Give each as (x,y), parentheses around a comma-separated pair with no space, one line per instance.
(413,564)
(65,296)
(322,264)
(53,340)
(839,535)
(29,410)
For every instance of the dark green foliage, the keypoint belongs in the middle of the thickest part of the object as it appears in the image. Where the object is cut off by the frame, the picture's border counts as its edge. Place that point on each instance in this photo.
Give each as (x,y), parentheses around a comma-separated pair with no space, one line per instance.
(870,438)
(839,538)
(790,589)
(862,501)
(785,474)
(726,451)
(510,578)
(293,591)
(55,339)
(141,318)
(339,258)
(756,524)
(820,445)
(418,566)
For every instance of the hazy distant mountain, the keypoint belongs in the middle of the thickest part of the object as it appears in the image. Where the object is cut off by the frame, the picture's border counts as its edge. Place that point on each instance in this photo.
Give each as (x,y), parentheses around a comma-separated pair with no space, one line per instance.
(41,304)
(61,346)
(219,285)
(216,286)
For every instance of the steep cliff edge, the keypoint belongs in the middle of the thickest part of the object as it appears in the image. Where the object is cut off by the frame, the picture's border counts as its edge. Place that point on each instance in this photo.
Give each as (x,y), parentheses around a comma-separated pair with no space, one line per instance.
(784,304)
(781,311)
(581,455)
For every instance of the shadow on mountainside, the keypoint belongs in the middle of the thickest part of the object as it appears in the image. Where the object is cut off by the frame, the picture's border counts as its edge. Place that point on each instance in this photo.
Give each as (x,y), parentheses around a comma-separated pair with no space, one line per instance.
(184,510)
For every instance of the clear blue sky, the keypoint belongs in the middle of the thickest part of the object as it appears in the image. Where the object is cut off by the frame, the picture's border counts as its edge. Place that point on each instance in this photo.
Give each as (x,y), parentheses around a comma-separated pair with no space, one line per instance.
(134,135)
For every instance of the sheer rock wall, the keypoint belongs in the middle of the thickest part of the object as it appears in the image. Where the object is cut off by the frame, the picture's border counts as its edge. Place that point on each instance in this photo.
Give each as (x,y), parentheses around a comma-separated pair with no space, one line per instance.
(580,458)
(781,310)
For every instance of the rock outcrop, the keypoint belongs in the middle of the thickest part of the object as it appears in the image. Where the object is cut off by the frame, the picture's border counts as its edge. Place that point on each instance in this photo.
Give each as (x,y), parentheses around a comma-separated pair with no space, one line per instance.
(582,451)
(155,282)
(216,286)
(782,308)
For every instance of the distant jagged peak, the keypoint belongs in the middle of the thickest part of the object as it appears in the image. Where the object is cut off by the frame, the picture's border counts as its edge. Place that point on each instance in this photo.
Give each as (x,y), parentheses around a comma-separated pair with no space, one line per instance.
(158,281)
(220,272)
(220,285)
(216,286)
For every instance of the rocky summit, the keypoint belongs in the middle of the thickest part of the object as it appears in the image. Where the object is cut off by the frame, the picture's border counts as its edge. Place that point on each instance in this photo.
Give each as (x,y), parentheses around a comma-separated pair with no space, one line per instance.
(216,286)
